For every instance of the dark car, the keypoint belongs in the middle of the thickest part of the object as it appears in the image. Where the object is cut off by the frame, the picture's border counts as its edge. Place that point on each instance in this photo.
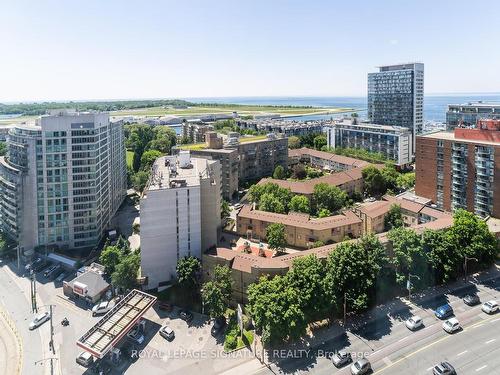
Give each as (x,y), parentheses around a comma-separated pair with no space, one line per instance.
(165,306)
(186,315)
(444,368)
(341,358)
(443,312)
(130,351)
(471,300)
(218,327)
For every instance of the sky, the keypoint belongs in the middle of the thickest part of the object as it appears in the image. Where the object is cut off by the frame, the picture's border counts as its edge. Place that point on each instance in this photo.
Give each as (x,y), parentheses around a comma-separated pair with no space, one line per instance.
(95,49)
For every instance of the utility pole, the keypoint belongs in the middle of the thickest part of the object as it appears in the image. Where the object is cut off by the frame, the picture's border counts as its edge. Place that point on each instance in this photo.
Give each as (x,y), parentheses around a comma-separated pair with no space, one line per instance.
(409,284)
(466,259)
(345,308)
(51,343)
(33,291)
(18,258)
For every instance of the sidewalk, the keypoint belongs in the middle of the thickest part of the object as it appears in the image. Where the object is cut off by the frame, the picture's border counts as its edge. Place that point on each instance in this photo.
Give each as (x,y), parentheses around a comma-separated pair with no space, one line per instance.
(398,309)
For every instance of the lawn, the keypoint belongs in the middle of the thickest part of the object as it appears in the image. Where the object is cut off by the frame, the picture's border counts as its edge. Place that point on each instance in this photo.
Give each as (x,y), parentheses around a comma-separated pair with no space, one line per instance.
(193,146)
(130,158)
(253,138)
(241,109)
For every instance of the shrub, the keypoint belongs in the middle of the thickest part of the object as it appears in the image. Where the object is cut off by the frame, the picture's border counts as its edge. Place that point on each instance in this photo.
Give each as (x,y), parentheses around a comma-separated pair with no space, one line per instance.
(231,342)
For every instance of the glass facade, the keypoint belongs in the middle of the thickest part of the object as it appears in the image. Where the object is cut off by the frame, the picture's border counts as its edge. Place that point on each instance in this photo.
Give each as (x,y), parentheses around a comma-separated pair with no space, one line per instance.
(466,115)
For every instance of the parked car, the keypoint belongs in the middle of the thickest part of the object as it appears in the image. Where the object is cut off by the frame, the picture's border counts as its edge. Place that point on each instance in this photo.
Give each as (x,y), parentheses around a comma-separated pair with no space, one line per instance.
(167,333)
(38,264)
(129,351)
(341,358)
(237,206)
(444,368)
(61,277)
(51,270)
(451,325)
(490,307)
(39,320)
(186,315)
(414,323)
(471,299)
(85,359)
(101,308)
(165,306)
(136,334)
(218,327)
(443,312)
(361,367)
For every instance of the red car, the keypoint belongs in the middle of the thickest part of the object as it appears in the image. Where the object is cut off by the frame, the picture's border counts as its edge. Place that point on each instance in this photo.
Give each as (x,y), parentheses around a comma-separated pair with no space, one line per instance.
(165,306)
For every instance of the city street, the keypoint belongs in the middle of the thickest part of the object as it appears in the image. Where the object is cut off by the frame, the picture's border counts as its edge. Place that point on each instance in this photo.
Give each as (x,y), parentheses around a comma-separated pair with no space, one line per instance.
(393,349)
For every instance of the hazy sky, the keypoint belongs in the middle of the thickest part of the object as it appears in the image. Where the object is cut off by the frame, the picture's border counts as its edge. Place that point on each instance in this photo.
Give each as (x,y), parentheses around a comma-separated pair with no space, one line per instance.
(103,49)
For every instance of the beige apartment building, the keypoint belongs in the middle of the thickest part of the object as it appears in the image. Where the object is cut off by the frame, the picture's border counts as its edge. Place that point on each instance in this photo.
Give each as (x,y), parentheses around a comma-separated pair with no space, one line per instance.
(301,230)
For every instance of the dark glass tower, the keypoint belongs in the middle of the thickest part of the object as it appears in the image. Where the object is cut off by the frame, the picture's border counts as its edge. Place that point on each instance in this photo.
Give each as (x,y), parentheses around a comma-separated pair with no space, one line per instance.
(396,97)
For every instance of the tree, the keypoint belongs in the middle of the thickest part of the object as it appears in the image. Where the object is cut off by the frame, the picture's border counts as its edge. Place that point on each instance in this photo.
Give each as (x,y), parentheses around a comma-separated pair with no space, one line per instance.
(299,203)
(3,148)
(125,274)
(148,158)
(299,172)
(276,309)
(472,238)
(275,235)
(139,137)
(374,182)
(187,270)
(279,173)
(351,274)
(406,181)
(293,142)
(394,218)
(164,138)
(268,202)
(324,212)
(409,257)
(110,258)
(329,197)
(319,142)
(216,293)
(444,258)
(390,175)
(306,276)
(139,180)
(225,211)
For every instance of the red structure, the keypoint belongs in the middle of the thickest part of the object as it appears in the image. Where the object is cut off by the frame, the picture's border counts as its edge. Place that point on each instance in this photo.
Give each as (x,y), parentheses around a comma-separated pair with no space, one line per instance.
(485,130)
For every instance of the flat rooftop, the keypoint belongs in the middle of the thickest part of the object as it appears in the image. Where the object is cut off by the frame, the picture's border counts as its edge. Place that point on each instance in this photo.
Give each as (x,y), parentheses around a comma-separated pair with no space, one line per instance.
(367,125)
(477,104)
(113,326)
(450,136)
(171,172)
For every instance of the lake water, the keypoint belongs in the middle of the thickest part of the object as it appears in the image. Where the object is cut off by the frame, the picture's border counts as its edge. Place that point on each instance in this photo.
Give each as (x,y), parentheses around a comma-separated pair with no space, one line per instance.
(434,105)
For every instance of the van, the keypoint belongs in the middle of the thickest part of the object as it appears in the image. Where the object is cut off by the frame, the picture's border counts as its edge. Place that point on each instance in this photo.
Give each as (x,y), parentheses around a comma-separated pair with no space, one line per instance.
(85,359)
(52,270)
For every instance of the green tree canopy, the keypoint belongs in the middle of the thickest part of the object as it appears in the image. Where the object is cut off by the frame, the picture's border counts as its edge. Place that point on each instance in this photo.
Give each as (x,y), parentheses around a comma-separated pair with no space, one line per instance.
(293,142)
(394,218)
(319,142)
(225,211)
(300,203)
(275,235)
(126,272)
(328,197)
(110,257)
(3,148)
(279,173)
(139,180)
(374,181)
(216,293)
(188,269)
(148,158)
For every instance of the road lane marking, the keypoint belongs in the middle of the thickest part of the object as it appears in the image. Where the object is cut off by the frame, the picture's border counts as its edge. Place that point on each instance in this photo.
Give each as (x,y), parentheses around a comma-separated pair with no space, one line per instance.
(403,339)
(430,368)
(490,341)
(462,353)
(406,356)
(481,368)
(387,361)
(495,320)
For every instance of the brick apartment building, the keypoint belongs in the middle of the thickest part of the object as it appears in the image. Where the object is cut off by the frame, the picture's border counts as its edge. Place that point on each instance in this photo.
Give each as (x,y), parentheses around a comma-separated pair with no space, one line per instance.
(461,169)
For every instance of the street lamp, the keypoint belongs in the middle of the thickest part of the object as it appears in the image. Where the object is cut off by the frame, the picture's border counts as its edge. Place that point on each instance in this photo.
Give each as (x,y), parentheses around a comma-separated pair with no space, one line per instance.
(466,259)
(408,284)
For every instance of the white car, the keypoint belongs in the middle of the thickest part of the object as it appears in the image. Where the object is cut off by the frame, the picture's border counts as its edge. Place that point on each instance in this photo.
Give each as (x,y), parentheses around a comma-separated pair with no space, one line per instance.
(490,307)
(414,323)
(39,320)
(85,359)
(101,308)
(451,325)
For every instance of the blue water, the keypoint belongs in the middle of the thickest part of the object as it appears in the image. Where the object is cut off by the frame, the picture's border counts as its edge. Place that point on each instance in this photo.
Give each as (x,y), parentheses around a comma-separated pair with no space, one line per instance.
(434,105)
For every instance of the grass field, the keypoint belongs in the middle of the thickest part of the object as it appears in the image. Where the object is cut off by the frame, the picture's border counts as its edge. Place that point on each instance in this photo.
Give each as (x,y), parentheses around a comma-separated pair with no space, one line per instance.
(241,109)
(193,146)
